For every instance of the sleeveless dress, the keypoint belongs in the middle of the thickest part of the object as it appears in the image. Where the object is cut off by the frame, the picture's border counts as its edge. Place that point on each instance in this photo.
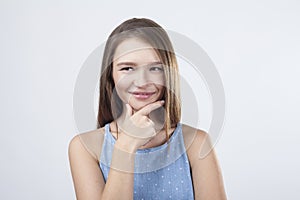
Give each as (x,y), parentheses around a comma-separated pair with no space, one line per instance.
(161,172)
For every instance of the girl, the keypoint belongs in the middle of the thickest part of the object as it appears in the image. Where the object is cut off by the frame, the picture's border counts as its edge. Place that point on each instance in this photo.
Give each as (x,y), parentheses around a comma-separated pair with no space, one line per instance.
(140,149)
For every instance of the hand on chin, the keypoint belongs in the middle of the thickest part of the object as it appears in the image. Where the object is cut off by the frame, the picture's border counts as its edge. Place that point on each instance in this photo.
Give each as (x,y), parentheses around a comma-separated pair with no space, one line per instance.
(138,106)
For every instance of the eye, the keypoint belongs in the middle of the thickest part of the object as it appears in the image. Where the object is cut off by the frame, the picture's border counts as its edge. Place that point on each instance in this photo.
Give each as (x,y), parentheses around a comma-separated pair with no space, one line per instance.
(157,68)
(126,69)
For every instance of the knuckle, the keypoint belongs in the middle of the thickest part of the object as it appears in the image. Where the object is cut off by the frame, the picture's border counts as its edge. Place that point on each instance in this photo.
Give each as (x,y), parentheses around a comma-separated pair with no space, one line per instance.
(144,118)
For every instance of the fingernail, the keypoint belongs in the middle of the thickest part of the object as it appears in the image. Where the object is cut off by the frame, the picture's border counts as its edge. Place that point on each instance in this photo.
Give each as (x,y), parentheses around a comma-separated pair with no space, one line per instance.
(162,101)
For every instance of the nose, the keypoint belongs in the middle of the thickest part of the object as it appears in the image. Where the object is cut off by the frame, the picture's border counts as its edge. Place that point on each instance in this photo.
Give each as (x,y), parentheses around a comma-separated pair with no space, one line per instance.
(141,78)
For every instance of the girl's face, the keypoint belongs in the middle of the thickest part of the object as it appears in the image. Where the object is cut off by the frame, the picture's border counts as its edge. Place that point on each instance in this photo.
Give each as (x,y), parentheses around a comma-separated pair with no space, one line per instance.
(138,73)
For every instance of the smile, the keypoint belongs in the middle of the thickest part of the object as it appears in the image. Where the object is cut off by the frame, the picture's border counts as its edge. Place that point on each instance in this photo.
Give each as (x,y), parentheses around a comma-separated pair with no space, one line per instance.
(142,95)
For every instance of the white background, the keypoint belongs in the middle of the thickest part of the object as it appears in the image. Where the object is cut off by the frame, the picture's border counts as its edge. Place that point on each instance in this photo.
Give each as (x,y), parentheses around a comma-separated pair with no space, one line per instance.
(255,46)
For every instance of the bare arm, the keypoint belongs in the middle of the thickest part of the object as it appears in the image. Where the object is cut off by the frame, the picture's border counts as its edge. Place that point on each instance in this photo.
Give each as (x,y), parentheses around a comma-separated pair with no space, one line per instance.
(87,177)
(206,173)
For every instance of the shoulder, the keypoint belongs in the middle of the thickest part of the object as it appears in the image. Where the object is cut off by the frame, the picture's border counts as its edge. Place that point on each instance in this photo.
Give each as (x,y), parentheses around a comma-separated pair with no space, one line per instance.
(90,142)
(197,142)
(193,136)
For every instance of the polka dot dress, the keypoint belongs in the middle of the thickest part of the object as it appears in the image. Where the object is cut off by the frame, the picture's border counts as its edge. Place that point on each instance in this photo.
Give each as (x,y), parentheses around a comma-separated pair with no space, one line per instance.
(161,172)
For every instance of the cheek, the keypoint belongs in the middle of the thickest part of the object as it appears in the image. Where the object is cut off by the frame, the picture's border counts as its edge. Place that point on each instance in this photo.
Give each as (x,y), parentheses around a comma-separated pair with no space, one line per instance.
(158,80)
(161,90)
(118,78)
(121,92)
(123,81)
(122,84)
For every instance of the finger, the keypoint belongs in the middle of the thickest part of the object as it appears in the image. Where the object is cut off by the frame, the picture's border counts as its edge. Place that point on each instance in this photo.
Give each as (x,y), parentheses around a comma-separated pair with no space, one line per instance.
(150,107)
(128,110)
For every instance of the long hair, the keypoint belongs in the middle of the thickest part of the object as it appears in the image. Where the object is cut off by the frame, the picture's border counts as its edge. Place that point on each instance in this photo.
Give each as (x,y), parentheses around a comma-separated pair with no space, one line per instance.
(153,34)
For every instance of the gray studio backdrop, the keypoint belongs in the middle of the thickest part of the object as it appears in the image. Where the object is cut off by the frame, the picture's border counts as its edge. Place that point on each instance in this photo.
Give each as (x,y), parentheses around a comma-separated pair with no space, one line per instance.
(254,45)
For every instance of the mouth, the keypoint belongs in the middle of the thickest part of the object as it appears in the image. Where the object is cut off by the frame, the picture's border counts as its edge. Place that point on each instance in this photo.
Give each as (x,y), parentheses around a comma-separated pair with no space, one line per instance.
(142,95)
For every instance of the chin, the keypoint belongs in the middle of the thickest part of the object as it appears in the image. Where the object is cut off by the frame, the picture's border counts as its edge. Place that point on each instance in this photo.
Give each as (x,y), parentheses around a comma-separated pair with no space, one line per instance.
(139,105)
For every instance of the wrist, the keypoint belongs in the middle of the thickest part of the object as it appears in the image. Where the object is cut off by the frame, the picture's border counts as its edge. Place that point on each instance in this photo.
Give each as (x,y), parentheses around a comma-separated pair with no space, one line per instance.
(123,158)
(126,147)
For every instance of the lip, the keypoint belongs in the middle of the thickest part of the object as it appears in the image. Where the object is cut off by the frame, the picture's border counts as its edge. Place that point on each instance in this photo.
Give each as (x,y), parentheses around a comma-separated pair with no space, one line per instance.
(142,95)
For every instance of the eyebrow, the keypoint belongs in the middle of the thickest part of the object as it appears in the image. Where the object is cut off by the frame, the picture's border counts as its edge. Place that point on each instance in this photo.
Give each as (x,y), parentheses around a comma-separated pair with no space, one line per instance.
(134,64)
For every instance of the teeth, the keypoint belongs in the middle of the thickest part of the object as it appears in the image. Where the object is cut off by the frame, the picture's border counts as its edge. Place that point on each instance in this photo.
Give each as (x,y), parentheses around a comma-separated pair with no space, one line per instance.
(142,93)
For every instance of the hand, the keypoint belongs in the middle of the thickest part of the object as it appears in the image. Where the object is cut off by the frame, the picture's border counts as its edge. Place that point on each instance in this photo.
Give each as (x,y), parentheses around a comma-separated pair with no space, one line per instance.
(138,129)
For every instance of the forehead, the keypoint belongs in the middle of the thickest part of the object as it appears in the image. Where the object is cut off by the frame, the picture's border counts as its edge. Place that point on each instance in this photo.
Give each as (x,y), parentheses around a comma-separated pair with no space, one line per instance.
(135,50)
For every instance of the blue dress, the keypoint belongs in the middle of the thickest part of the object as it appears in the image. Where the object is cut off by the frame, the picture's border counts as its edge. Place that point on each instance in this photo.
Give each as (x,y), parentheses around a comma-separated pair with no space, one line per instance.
(161,172)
